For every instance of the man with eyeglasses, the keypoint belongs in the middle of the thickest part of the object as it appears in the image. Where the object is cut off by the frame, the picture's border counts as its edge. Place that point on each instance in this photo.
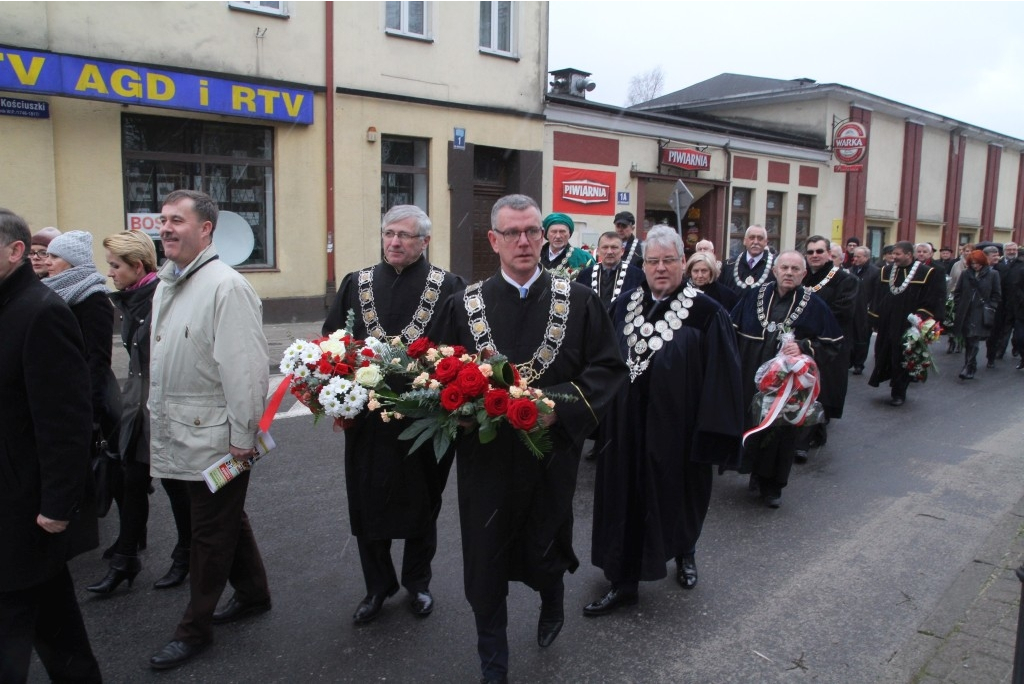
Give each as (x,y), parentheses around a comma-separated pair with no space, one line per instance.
(515,510)
(393,494)
(838,288)
(753,267)
(632,247)
(557,254)
(37,252)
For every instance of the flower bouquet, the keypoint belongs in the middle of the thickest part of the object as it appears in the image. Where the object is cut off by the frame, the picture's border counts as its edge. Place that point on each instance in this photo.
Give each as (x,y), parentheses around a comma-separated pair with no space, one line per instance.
(787,391)
(917,357)
(455,389)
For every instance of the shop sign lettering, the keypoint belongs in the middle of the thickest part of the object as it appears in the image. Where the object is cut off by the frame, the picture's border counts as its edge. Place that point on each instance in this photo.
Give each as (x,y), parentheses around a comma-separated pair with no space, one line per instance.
(28,71)
(684,158)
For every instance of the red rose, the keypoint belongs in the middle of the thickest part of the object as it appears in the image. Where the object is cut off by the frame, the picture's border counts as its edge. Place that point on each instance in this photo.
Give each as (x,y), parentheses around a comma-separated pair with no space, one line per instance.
(496,402)
(472,381)
(419,347)
(522,414)
(452,398)
(447,369)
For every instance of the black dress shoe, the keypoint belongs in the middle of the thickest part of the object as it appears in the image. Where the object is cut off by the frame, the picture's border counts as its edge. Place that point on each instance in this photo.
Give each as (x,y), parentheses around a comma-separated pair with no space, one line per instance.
(422,603)
(548,629)
(610,602)
(370,607)
(897,401)
(235,609)
(174,577)
(773,501)
(858,370)
(800,456)
(990,364)
(686,572)
(1020,364)
(175,653)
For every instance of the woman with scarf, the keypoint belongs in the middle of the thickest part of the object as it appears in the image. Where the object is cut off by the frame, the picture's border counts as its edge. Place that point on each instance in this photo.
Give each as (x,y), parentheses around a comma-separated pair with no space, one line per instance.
(977,296)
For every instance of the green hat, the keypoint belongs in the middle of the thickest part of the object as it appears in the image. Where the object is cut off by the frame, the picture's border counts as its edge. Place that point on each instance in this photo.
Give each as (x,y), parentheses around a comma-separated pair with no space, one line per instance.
(558,218)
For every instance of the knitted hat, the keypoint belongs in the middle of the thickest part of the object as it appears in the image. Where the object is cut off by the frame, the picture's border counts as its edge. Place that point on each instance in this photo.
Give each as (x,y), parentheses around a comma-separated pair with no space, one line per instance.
(557,218)
(74,247)
(44,236)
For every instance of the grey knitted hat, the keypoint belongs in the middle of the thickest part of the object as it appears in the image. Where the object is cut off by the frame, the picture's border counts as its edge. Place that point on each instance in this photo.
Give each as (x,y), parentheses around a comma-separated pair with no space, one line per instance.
(74,247)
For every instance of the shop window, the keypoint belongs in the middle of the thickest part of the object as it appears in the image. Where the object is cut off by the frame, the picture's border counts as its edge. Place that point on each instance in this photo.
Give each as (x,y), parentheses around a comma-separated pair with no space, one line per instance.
(496,27)
(773,219)
(279,9)
(803,221)
(876,240)
(404,173)
(407,18)
(233,163)
(741,200)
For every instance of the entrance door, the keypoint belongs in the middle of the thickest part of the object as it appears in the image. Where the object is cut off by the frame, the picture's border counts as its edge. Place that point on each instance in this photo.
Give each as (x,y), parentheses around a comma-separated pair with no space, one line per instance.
(485,261)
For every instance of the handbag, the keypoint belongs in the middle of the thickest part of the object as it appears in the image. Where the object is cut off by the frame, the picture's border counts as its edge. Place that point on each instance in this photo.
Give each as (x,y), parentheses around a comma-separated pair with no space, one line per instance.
(988,316)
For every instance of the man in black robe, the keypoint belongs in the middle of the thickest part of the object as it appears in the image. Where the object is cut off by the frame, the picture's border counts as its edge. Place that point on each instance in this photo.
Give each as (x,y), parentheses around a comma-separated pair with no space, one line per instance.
(838,289)
(516,510)
(760,319)
(393,494)
(753,267)
(681,414)
(905,287)
(869,276)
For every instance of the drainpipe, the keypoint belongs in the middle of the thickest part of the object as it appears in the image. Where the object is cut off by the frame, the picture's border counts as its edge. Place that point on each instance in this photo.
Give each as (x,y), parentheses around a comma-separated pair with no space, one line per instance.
(331,285)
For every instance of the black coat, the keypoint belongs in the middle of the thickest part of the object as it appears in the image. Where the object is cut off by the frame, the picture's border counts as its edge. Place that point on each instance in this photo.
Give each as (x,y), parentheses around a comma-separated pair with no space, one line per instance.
(391,493)
(739,269)
(630,281)
(1013,292)
(720,294)
(840,294)
(95,315)
(924,296)
(975,291)
(136,309)
(45,429)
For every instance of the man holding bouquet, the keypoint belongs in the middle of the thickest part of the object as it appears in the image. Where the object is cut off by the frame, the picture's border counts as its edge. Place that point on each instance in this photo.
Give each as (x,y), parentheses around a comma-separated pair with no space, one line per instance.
(515,509)
(761,317)
(393,494)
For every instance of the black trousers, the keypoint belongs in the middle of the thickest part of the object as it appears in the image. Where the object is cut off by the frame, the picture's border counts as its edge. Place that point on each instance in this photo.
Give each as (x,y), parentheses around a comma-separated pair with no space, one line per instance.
(181,510)
(379,570)
(772,453)
(45,616)
(492,631)
(223,550)
(133,508)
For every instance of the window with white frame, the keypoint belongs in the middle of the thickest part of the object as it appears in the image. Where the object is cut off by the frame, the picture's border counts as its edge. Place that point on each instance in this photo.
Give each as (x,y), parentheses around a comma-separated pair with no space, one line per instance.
(497,32)
(276,7)
(407,18)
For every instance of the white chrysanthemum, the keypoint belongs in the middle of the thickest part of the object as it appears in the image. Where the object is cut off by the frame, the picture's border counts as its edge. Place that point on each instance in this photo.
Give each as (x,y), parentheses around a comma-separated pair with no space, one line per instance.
(310,355)
(302,371)
(321,375)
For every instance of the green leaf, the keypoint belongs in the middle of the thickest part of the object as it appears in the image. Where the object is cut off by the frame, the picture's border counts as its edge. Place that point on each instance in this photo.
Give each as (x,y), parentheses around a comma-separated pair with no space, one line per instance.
(442,441)
(488,431)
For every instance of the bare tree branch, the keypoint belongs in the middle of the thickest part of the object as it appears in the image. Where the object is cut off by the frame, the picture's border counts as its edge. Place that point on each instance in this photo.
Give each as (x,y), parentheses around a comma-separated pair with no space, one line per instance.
(645,86)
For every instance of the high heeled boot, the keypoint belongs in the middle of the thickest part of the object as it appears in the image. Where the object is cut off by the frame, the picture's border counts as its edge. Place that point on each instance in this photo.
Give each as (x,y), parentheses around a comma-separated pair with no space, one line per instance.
(178,572)
(122,567)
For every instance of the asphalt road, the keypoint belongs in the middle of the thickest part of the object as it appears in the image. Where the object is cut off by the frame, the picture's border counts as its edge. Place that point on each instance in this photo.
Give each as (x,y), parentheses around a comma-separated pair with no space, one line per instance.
(832,587)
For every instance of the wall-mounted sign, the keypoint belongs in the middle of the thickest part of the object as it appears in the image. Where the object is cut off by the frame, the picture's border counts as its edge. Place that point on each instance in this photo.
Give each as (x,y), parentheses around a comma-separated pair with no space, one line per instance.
(849,145)
(685,158)
(28,71)
(622,197)
(33,109)
(459,139)
(583,191)
(148,223)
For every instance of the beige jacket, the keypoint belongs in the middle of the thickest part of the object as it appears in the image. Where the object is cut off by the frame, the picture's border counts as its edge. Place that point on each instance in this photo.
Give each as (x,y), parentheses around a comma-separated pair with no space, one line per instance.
(209,367)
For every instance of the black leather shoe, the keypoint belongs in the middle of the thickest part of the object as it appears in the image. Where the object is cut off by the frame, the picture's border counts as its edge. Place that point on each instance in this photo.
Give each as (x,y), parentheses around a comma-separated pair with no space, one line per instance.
(370,607)
(800,456)
(174,577)
(990,364)
(548,629)
(686,572)
(897,401)
(610,602)
(175,653)
(1020,364)
(773,501)
(422,603)
(236,609)
(858,370)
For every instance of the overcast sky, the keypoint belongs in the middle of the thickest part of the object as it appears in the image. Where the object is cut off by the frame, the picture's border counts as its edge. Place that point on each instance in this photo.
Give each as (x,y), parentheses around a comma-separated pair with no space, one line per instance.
(963,60)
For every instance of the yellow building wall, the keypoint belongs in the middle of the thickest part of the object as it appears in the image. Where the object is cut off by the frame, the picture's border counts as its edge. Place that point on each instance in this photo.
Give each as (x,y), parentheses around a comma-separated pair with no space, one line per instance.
(28,185)
(1006,198)
(973,191)
(934,172)
(885,165)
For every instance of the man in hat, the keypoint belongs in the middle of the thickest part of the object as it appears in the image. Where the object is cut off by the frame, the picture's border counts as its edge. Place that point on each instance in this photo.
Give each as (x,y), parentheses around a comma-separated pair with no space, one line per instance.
(37,252)
(557,253)
(632,248)
(753,267)
(852,243)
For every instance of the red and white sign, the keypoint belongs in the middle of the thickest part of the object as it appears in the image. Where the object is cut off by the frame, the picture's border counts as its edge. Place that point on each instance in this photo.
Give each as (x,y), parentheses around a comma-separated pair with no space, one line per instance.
(686,158)
(147,223)
(850,144)
(583,191)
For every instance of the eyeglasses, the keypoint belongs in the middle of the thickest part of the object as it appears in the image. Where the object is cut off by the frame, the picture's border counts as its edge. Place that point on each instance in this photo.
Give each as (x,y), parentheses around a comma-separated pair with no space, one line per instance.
(654,262)
(531,234)
(38,254)
(818,251)
(401,235)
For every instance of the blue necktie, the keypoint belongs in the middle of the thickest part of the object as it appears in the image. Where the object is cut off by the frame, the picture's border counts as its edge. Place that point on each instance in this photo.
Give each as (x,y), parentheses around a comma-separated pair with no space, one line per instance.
(523,292)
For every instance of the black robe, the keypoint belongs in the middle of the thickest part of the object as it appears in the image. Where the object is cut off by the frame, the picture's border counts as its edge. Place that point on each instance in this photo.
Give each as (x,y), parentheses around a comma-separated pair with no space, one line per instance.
(683,414)
(391,493)
(924,296)
(605,286)
(840,294)
(720,294)
(637,257)
(515,510)
(728,279)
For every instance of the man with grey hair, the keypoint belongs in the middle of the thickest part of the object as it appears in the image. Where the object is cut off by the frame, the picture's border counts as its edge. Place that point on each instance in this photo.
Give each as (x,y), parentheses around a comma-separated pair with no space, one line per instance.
(995,346)
(869,276)
(393,494)
(679,416)
(753,267)
(515,509)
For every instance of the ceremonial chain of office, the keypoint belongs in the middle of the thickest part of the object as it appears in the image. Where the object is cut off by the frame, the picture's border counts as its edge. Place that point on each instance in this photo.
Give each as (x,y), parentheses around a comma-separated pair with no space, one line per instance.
(771,326)
(640,338)
(424,312)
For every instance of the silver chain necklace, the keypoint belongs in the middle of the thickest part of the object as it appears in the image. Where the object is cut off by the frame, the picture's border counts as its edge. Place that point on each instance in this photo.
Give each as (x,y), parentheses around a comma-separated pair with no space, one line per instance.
(750,282)
(554,332)
(641,341)
(893,288)
(794,314)
(620,276)
(420,319)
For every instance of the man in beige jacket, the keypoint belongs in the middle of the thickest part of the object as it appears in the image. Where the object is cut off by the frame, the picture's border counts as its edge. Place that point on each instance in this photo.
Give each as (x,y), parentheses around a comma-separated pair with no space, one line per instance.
(209,368)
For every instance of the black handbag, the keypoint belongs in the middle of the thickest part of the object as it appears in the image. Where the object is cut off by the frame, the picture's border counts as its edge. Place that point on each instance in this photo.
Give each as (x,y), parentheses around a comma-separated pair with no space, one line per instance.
(988,316)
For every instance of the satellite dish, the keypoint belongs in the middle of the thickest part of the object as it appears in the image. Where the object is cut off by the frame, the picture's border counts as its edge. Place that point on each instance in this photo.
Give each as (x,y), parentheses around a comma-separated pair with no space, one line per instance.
(233,238)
